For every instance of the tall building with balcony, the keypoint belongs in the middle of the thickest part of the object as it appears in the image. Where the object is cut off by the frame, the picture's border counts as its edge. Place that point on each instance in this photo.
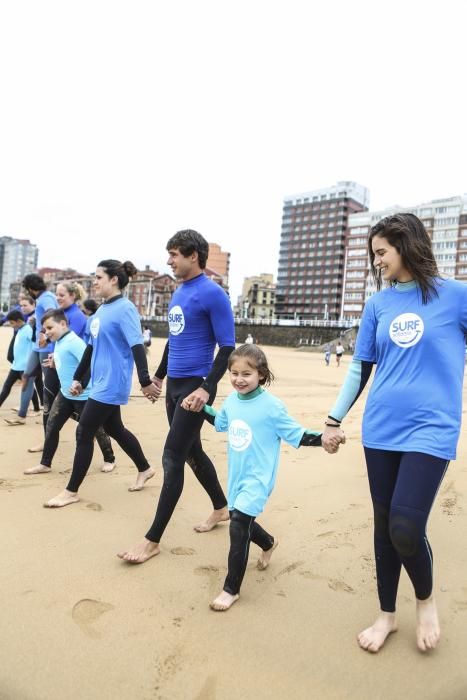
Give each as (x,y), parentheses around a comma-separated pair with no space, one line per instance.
(218,264)
(257,299)
(312,250)
(17,259)
(445,221)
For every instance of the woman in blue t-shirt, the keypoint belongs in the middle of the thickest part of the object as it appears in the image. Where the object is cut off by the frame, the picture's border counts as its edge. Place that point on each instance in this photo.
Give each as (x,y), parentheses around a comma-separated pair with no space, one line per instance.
(115,344)
(414,332)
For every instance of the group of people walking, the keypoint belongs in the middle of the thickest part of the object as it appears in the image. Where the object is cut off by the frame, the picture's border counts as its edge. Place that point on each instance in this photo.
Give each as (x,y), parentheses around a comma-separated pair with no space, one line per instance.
(410,427)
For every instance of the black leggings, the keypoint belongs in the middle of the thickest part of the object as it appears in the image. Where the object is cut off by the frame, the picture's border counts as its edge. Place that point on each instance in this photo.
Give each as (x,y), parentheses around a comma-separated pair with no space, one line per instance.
(183,444)
(403,486)
(11,379)
(96,414)
(243,530)
(63,409)
(51,389)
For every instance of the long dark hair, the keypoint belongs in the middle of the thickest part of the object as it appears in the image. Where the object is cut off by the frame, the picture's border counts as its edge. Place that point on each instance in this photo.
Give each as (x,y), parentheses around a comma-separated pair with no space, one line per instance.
(256,359)
(123,271)
(407,234)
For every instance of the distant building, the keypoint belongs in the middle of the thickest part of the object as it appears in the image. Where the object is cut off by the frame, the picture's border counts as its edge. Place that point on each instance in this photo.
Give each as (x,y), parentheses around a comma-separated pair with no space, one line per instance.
(445,221)
(312,250)
(219,263)
(151,292)
(257,299)
(17,258)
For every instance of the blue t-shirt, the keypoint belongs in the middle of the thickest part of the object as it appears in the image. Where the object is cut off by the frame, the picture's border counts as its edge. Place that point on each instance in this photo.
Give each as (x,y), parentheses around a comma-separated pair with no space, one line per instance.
(44,302)
(255,429)
(115,329)
(67,356)
(22,348)
(199,316)
(76,320)
(415,401)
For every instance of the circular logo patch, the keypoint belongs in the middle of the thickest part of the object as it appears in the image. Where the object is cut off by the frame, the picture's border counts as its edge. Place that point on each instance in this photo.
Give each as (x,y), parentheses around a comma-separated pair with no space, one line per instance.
(94,327)
(406,330)
(240,435)
(176,320)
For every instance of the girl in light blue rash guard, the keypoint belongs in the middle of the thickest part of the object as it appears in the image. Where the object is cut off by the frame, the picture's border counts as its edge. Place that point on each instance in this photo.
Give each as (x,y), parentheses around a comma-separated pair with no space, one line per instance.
(414,332)
(256,422)
(115,344)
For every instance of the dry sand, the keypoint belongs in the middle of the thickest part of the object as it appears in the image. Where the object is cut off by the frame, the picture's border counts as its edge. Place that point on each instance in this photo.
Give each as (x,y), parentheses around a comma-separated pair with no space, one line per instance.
(78,623)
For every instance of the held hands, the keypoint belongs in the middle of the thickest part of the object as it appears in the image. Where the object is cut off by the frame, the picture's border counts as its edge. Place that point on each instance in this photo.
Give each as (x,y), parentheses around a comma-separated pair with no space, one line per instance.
(49,362)
(76,389)
(196,401)
(42,340)
(153,390)
(332,438)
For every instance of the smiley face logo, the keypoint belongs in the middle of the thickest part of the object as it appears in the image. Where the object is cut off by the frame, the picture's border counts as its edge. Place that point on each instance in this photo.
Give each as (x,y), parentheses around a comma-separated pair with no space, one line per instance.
(176,320)
(406,330)
(240,435)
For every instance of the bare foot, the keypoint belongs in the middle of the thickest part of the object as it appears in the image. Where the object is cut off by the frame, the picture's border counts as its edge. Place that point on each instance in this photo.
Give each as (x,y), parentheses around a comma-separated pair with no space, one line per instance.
(373,638)
(38,469)
(65,498)
(15,421)
(141,552)
(108,467)
(428,631)
(36,448)
(142,478)
(216,517)
(265,557)
(223,602)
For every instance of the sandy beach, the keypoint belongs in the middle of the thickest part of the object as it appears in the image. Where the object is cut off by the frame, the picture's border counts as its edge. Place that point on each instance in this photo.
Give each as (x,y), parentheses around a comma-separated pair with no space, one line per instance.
(78,623)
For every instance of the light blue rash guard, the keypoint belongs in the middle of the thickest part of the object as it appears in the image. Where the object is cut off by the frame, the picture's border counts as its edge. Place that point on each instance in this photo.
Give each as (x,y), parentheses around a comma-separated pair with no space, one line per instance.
(44,302)
(67,356)
(115,328)
(199,316)
(255,429)
(22,348)
(415,401)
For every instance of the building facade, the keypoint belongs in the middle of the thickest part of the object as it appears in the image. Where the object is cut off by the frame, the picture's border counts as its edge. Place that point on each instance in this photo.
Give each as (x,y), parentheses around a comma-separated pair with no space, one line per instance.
(445,221)
(257,299)
(17,259)
(219,263)
(312,250)
(151,292)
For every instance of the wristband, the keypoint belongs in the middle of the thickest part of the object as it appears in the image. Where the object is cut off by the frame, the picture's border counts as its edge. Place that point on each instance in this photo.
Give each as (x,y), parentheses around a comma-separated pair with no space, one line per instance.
(332,425)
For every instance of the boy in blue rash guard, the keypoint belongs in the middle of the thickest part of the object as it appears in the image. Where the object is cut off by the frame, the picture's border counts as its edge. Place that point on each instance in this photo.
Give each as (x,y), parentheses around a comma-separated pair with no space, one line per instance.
(68,352)
(115,344)
(21,350)
(256,423)
(414,332)
(200,316)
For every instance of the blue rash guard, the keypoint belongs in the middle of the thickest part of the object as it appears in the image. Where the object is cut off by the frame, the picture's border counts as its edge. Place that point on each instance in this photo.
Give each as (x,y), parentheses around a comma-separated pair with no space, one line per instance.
(22,348)
(115,329)
(415,401)
(255,429)
(44,302)
(67,356)
(199,316)
(76,320)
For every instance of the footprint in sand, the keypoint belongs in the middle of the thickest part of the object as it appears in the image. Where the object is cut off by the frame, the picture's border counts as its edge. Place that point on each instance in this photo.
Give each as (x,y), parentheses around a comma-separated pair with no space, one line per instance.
(449,502)
(288,569)
(94,506)
(86,612)
(183,550)
(208,691)
(340,586)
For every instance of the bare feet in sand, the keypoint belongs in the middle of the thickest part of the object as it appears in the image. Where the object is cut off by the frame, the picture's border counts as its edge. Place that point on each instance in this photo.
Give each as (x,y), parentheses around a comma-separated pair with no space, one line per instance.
(428,631)
(373,638)
(108,467)
(65,498)
(223,602)
(141,552)
(216,517)
(265,557)
(38,469)
(142,478)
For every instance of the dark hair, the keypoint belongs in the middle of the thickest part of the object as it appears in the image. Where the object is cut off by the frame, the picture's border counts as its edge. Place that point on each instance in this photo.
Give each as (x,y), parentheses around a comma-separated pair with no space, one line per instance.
(188,242)
(34,282)
(55,314)
(91,305)
(15,315)
(123,271)
(407,234)
(28,298)
(256,359)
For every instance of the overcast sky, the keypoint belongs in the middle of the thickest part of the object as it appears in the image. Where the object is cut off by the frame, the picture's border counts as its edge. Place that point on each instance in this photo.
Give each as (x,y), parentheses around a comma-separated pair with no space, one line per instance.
(122,122)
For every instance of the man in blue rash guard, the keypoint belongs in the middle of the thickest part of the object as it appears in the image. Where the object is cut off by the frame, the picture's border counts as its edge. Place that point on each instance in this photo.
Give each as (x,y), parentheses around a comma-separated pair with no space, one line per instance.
(200,316)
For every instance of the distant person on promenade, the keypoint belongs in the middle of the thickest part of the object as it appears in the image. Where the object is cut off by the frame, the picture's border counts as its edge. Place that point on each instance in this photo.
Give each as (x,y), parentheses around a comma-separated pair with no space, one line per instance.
(414,332)
(327,355)
(339,352)
(249,339)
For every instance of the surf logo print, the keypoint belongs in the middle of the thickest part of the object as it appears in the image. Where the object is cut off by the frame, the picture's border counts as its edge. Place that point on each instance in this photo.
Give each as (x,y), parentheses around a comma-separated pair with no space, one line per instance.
(94,327)
(406,330)
(240,435)
(176,320)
